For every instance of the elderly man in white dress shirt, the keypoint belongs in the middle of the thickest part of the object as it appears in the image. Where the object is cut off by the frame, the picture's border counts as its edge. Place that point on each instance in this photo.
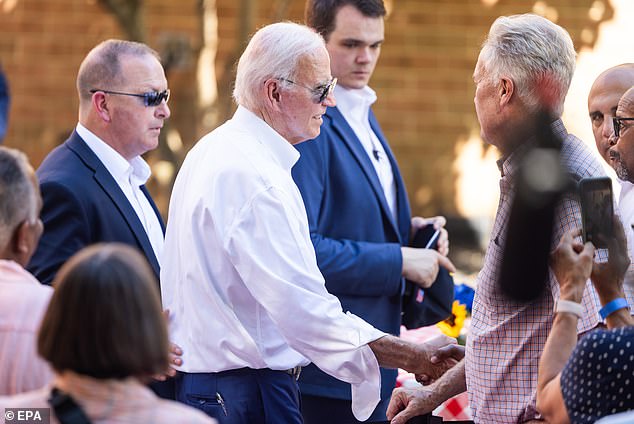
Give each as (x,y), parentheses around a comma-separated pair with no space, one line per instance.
(249,305)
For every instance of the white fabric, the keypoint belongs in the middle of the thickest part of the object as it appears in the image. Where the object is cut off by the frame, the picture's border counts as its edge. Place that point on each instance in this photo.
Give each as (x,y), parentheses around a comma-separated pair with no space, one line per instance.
(354,105)
(622,418)
(130,176)
(570,307)
(626,210)
(239,273)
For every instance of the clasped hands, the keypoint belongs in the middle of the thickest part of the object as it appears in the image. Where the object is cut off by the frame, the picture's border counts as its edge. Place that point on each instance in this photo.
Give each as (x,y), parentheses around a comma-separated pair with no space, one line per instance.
(442,353)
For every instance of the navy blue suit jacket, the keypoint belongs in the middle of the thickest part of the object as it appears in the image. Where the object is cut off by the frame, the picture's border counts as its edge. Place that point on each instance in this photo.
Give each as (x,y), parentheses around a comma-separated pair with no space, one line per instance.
(356,239)
(83,205)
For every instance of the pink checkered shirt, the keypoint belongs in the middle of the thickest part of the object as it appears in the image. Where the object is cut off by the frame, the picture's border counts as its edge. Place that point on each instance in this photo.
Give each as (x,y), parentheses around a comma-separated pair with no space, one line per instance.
(506,338)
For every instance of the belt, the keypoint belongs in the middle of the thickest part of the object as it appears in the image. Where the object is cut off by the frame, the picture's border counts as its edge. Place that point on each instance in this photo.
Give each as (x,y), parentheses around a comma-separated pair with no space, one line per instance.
(294,372)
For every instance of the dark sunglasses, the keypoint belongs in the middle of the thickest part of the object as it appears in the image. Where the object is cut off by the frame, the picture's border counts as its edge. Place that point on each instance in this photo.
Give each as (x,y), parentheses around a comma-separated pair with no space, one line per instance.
(152,98)
(617,124)
(319,93)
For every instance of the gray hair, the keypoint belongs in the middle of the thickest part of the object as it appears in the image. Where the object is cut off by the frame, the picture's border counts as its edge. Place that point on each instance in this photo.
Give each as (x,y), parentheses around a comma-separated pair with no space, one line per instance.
(101,68)
(273,52)
(18,197)
(535,53)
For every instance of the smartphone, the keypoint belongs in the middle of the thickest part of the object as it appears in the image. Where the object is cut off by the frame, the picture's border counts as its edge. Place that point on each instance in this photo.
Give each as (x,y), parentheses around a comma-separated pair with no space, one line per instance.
(597,210)
(426,237)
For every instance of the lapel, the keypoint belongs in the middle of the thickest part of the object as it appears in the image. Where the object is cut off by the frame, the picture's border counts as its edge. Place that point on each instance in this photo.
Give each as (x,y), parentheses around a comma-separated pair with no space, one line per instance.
(154,207)
(402,204)
(350,140)
(119,200)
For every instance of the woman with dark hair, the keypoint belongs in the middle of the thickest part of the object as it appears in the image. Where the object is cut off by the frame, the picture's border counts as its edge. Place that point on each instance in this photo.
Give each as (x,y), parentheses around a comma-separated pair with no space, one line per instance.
(104,335)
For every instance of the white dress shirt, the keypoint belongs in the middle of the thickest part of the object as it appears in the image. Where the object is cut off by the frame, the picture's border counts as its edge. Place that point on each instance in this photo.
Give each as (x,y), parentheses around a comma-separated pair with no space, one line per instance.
(130,176)
(239,274)
(354,105)
(626,211)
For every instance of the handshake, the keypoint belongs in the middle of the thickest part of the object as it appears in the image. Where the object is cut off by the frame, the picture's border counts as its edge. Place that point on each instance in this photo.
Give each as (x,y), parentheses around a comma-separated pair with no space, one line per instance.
(428,361)
(438,355)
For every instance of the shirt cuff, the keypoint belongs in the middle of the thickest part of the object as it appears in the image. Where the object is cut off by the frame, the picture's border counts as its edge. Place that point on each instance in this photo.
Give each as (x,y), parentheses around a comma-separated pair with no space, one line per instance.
(367,394)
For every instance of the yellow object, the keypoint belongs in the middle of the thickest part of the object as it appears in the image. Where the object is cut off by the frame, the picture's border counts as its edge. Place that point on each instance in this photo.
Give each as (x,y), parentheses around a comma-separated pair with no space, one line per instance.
(453,324)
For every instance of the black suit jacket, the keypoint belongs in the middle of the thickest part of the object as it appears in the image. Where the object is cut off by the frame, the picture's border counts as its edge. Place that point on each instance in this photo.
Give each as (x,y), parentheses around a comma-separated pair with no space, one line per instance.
(83,205)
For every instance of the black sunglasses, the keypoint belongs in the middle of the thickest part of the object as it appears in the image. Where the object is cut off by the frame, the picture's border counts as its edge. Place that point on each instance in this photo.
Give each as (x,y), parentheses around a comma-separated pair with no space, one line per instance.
(616,123)
(319,93)
(152,98)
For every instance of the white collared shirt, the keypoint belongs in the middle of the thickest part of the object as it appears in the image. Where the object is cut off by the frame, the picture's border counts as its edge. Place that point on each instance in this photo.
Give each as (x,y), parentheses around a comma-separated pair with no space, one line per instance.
(239,274)
(130,176)
(354,105)
(626,211)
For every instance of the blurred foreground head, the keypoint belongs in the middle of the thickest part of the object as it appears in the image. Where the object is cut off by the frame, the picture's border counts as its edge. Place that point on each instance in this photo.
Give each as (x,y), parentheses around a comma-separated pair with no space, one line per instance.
(105,318)
(20,204)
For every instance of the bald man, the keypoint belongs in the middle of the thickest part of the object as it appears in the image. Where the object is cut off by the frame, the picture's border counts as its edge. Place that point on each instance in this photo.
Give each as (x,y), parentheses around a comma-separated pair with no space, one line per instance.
(603,100)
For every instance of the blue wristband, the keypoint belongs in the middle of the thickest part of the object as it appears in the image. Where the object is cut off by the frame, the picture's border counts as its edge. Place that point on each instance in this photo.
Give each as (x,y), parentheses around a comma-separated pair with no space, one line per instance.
(615,305)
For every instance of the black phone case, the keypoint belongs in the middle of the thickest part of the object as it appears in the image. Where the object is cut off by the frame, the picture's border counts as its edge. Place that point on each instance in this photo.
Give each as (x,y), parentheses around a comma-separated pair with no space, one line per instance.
(597,210)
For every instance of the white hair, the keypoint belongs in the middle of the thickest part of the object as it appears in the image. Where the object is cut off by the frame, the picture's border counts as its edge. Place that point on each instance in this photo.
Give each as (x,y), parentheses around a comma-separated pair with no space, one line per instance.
(536,54)
(273,52)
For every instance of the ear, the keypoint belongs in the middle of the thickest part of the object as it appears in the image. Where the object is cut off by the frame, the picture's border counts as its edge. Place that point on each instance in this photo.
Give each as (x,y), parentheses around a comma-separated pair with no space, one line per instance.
(505,91)
(20,242)
(100,105)
(272,92)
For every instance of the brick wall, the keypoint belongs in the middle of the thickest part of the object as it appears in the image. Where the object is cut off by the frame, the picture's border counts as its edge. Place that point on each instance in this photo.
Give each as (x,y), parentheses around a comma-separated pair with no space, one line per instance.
(423,78)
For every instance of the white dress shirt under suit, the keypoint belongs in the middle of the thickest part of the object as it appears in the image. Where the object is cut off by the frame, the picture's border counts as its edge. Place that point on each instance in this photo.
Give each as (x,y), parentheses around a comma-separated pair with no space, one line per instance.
(130,176)
(354,105)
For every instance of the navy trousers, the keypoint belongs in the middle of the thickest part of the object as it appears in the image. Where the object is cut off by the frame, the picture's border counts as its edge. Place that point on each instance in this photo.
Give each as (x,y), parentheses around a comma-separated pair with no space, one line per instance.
(164,389)
(321,410)
(242,396)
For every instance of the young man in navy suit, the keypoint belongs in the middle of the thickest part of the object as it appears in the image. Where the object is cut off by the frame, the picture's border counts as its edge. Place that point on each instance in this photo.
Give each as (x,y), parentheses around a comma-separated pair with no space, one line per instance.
(93,184)
(356,202)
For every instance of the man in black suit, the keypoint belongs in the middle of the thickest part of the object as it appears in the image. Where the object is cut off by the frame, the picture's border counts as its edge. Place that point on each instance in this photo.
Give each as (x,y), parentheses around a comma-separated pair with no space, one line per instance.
(93,184)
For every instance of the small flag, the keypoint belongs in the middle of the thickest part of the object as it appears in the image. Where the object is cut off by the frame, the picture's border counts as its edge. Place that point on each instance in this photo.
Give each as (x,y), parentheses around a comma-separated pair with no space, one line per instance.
(420,296)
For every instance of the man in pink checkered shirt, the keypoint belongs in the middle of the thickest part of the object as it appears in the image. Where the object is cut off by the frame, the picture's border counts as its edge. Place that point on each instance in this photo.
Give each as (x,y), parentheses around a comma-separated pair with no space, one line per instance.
(506,338)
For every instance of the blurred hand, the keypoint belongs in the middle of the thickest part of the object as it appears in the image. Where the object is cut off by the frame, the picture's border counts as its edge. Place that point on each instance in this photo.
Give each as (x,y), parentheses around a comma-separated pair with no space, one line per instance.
(571,263)
(438,222)
(420,266)
(408,403)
